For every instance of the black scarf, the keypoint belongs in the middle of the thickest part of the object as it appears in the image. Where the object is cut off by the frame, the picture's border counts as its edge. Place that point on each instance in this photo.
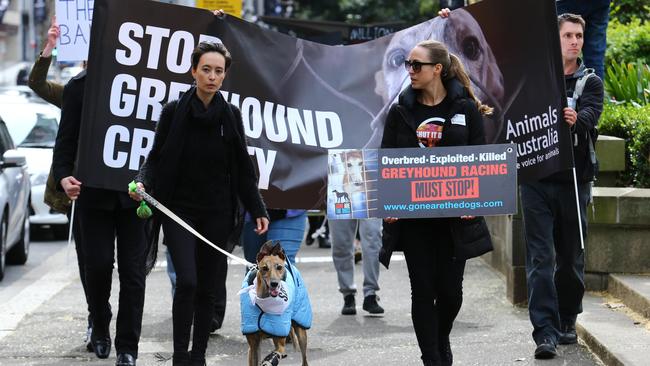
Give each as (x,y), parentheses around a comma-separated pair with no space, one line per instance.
(170,155)
(210,115)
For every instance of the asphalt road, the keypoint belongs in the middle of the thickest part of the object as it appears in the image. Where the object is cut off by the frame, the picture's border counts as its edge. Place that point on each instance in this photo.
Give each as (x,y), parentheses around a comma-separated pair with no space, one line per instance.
(43,317)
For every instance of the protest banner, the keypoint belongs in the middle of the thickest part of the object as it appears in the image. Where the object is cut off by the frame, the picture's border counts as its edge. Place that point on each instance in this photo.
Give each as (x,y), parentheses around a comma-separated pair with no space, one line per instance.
(298,98)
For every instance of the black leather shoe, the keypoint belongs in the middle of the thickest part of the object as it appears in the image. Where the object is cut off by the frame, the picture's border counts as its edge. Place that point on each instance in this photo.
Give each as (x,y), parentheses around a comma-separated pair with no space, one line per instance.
(349,305)
(215,325)
(181,359)
(125,359)
(546,350)
(370,305)
(568,334)
(101,343)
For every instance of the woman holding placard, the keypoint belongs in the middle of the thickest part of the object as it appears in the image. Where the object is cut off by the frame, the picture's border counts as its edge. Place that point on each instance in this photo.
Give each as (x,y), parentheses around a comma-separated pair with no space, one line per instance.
(439,108)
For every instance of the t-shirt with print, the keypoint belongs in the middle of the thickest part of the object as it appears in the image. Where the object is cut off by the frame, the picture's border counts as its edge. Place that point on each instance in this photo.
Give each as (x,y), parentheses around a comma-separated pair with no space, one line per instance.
(430,121)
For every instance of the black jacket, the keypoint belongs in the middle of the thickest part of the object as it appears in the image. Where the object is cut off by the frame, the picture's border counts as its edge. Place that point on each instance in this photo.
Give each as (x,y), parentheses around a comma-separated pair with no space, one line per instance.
(158,173)
(66,146)
(400,132)
(589,107)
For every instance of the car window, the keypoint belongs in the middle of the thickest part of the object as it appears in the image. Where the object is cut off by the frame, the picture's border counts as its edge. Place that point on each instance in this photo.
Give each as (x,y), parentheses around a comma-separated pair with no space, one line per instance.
(5,139)
(31,124)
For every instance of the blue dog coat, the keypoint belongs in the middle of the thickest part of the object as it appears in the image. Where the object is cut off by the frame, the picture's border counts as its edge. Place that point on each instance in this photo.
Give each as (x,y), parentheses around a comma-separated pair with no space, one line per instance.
(253,319)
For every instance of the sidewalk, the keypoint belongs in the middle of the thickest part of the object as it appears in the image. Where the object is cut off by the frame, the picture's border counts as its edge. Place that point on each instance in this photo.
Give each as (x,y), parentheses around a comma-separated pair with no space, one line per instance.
(488,331)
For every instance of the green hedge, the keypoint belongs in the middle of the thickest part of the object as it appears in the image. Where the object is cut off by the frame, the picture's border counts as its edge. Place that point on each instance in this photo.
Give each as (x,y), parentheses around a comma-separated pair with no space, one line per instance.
(632,124)
(628,42)
(626,10)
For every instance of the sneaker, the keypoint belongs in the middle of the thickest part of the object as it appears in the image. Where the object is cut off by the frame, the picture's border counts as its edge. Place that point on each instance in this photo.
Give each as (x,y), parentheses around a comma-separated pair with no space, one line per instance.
(568,334)
(545,350)
(370,305)
(349,305)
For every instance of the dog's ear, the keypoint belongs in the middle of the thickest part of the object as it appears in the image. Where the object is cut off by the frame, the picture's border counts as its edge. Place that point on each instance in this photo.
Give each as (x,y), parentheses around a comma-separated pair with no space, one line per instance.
(277,250)
(265,250)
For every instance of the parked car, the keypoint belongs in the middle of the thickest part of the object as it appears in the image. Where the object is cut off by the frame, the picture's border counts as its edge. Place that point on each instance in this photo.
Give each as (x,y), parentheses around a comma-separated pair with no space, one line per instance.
(33,125)
(14,203)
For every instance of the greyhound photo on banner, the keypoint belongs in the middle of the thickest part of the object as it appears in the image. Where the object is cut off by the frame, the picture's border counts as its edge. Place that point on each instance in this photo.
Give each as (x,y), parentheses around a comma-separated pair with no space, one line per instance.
(299,98)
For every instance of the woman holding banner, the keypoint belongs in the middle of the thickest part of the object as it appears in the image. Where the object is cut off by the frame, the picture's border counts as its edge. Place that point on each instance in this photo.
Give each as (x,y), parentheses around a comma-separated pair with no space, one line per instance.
(439,108)
(199,168)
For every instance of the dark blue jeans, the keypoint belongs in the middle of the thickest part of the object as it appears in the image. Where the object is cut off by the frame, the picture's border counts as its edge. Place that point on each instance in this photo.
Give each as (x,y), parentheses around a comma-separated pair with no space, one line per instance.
(596,15)
(554,258)
(289,231)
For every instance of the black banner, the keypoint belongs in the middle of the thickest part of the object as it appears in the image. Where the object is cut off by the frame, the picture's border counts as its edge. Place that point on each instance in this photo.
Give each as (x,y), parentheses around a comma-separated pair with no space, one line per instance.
(299,98)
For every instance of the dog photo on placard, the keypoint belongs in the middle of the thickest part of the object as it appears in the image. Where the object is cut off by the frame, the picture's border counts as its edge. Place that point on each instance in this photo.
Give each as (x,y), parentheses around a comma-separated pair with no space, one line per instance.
(274,304)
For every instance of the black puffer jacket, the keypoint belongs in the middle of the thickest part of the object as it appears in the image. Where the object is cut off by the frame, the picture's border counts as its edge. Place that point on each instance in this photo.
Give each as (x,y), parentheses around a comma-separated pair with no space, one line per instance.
(400,132)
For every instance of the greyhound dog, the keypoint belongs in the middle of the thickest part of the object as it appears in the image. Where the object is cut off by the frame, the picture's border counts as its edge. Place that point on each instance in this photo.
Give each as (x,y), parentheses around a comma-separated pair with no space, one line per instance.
(271,273)
(341,196)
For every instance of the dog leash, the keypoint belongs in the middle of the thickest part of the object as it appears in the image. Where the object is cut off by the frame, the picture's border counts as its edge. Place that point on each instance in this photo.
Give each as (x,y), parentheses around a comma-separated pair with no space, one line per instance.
(147,197)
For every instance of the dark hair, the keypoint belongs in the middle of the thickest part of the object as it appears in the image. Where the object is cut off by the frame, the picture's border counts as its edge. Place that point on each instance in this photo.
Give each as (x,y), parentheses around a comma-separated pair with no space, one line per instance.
(205,47)
(572,18)
(452,68)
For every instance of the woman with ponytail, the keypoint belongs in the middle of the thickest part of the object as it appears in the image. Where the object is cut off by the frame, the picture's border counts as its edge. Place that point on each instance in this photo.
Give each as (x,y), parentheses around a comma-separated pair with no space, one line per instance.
(439,108)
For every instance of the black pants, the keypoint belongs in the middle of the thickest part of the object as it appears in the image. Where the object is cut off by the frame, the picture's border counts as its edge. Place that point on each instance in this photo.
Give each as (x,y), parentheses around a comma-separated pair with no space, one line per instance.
(198,268)
(555,262)
(436,282)
(99,228)
(81,260)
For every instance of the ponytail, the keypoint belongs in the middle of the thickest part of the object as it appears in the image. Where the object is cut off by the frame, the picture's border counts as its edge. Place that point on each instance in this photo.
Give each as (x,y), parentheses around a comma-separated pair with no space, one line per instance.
(457,70)
(452,68)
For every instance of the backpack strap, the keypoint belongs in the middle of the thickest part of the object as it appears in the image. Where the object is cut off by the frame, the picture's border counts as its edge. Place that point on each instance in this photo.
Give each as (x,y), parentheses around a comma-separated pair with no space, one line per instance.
(580,84)
(577,92)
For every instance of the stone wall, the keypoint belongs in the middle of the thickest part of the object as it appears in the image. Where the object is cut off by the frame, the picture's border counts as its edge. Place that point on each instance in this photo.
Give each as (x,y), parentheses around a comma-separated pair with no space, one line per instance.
(619,231)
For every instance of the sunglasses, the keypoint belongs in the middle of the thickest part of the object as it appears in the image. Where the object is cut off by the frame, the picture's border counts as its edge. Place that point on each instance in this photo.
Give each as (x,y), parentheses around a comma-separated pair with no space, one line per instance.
(415,65)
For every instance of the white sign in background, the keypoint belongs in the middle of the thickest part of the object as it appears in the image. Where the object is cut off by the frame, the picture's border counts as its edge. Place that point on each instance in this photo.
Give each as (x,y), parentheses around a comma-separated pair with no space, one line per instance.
(74,18)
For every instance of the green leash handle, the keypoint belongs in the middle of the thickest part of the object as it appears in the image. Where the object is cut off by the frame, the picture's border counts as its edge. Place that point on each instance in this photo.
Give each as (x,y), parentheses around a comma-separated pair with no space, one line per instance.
(143,211)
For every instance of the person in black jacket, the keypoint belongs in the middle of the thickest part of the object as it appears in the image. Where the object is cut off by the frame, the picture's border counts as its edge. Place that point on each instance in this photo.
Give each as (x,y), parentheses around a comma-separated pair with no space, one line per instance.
(554,257)
(438,109)
(199,168)
(103,215)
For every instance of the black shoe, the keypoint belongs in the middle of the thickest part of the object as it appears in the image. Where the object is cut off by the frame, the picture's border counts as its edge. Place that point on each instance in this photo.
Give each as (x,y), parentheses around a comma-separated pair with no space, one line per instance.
(349,306)
(89,344)
(324,242)
(309,240)
(545,350)
(215,325)
(101,344)
(125,359)
(181,359)
(197,360)
(568,334)
(446,357)
(370,305)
